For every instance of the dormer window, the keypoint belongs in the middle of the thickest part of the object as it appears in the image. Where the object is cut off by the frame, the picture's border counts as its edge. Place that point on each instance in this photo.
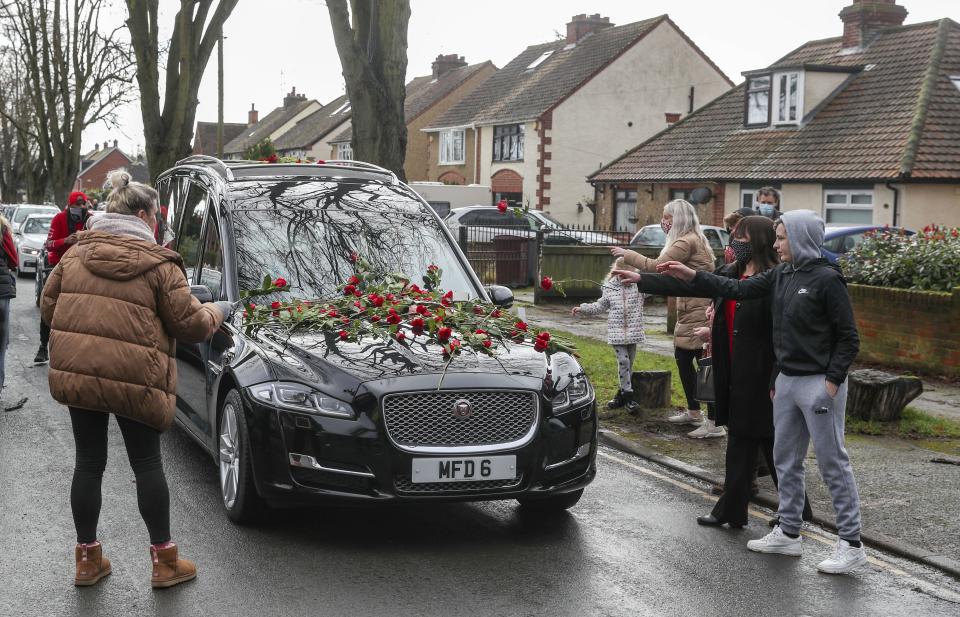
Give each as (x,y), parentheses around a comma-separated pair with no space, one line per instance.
(774,98)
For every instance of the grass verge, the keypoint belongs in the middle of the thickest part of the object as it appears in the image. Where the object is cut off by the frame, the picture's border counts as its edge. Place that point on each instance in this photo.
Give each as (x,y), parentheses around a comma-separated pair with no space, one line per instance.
(913,424)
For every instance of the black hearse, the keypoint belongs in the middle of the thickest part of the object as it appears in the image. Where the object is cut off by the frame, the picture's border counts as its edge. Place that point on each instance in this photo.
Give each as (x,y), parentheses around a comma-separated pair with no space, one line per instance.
(297,421)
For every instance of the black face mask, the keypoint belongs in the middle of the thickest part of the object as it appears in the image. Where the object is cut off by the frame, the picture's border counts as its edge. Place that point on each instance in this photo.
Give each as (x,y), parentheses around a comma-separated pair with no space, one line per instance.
(742,251)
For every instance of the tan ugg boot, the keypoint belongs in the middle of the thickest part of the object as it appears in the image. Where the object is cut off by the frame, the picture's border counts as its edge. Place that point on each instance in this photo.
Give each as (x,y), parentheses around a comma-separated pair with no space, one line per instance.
(168,570)
(91,564)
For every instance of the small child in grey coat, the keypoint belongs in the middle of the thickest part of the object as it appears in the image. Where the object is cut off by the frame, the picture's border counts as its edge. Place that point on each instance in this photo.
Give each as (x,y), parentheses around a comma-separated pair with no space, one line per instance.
(623,304)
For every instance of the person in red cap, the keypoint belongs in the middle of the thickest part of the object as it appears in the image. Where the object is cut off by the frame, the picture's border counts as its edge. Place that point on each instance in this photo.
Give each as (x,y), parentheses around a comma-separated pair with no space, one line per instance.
(62,235)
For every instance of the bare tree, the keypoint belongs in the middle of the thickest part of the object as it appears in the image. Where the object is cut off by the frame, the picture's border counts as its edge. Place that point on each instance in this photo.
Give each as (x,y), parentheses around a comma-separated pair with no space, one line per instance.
(169,131)
(77,74)
(371,38)
(20,166)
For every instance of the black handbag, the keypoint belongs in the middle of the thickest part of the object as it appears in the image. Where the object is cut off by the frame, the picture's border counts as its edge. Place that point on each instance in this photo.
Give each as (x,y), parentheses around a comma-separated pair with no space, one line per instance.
(705,391)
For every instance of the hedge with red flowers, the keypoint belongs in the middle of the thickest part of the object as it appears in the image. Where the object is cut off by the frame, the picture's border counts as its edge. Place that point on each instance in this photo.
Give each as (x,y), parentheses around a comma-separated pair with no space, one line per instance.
(929,260)
(391,307)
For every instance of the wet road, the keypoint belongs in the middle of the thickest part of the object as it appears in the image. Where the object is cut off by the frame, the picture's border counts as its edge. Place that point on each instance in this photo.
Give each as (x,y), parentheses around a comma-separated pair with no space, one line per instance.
(631,547)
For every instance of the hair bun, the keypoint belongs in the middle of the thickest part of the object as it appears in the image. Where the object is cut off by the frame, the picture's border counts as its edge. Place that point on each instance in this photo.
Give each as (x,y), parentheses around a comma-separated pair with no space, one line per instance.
(119,178)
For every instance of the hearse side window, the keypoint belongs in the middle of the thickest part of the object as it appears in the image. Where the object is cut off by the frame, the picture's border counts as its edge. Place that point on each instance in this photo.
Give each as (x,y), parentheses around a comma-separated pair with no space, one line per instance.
(211,265)
(188,242)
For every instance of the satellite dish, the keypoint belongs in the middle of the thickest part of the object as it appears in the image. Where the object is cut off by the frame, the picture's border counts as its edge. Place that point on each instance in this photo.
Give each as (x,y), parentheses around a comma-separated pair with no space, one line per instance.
(700,196)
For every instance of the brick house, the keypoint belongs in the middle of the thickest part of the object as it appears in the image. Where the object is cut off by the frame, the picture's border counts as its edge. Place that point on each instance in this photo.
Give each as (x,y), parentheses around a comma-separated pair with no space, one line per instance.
(427,98)
(863,128)
(295,108)
(312,135)
(560,110)
(96,164)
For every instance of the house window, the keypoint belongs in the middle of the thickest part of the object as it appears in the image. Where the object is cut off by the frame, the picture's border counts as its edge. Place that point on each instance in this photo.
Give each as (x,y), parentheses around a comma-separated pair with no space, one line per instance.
(748,194)
(342,109)
(788,93)
(625,210)
(508,142)
(848,206)
(956,80)
(451,147)
(514,200)
(683,194)
(540,60)
(758,101)
(345,151)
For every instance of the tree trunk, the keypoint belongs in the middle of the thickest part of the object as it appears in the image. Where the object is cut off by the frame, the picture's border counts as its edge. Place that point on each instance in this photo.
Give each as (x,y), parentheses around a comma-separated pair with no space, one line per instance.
(373,54)
(651,389)
(875,395)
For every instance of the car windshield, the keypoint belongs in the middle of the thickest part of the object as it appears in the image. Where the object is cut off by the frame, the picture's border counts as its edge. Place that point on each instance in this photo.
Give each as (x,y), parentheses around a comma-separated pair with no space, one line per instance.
(651,235)
(551,222)
(307,231)
(23,213)
(37,225)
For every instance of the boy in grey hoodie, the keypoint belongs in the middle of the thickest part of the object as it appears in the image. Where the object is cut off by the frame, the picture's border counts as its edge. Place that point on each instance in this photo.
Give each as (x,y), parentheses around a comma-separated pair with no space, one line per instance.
(815,341)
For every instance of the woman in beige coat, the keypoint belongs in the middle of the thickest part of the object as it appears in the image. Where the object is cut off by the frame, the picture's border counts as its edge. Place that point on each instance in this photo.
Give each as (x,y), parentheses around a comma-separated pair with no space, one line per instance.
(685,243)
(116,304)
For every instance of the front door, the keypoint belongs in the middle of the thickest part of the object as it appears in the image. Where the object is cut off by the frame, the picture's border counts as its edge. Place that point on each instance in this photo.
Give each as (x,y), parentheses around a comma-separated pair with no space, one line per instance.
(625,211)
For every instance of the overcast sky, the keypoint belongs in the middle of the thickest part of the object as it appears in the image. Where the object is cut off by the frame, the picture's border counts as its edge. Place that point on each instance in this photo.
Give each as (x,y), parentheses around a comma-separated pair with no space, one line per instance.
(273,45)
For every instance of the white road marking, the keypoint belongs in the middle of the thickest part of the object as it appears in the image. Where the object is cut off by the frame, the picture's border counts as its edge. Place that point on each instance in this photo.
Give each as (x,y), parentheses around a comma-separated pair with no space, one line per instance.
(816,535)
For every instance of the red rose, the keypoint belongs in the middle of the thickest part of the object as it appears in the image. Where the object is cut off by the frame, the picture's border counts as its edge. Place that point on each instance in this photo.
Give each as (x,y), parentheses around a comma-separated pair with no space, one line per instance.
(479,331)
(520,326)
(496,313)
(375,318)
(543,336)
(344,335)
(253,306)
(478,310)
(348,290)
(357,293)
(417,325)
(540,345)
(401,336)
(421,309)
(487,343)
(353,280)
(391,297)
(546,283)
(432,268)
(354,257)
(344,320)
(333,313)
(375,300)
(358,304)
(454,344)
(443,334)
(275,305)
(299,309)
(393,319)
(280,282)
(502,205)
(448,295)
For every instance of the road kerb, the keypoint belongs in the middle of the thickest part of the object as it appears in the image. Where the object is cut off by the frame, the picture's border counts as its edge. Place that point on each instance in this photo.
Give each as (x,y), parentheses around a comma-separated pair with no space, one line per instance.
(943,563)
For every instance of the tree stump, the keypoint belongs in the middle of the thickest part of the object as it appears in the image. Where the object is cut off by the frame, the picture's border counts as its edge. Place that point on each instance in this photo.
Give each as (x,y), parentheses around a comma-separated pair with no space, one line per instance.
(876,395)
(651,389)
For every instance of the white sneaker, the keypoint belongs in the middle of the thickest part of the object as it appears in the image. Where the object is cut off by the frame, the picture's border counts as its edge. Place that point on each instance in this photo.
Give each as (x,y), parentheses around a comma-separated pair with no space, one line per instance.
(844,559)
(687,416)
(707,430)
(777,542)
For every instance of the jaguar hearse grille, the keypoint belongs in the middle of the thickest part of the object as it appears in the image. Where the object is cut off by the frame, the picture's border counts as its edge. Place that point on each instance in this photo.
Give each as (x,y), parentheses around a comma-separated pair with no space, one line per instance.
(404,484)
(423,421)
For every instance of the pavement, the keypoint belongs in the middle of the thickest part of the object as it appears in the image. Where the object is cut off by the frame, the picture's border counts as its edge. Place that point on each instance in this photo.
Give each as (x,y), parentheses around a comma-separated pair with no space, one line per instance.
(630,547)
(908,496)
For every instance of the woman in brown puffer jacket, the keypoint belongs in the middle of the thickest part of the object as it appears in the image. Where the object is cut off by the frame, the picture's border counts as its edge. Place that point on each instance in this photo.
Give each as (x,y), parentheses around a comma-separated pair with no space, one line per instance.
(685,243)
(117,304)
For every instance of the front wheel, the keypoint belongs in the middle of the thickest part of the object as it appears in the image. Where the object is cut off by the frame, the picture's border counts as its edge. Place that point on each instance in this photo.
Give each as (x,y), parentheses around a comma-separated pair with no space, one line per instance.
(555,503)
(240,498)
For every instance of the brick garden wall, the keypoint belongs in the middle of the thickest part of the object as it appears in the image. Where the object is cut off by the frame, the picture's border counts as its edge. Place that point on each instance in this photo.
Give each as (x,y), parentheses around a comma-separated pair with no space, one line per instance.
(915,330)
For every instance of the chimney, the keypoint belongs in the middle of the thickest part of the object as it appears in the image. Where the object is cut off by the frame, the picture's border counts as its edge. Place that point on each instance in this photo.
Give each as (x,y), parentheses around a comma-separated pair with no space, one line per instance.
(106,145)
(672,117)
(580,26)
(253,116)
(96,147)
(444,64)
(863,19)
(114,143)
(293,98)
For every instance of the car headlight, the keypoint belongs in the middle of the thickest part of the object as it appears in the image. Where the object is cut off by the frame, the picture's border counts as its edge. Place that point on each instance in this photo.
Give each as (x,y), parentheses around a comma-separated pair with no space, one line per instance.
(29,250)
(577,392)
(297,397)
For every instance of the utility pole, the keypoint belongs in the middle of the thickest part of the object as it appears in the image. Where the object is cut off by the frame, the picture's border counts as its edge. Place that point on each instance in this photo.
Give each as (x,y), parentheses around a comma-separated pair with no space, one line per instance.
(220,96)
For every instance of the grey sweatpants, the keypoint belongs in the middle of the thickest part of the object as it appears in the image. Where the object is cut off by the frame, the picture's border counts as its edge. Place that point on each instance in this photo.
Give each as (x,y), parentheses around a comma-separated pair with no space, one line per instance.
(625,356)
(803,410)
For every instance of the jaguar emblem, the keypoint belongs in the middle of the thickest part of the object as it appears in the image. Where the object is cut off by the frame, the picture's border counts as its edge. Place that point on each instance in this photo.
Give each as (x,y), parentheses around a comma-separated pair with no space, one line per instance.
(462,409)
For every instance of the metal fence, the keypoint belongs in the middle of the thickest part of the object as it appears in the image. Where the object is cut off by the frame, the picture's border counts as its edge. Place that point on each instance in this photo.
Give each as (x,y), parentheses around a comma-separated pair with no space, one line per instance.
(510,255)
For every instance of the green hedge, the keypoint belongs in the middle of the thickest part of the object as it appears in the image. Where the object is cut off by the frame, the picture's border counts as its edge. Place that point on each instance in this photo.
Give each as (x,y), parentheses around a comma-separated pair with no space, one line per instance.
(929,260)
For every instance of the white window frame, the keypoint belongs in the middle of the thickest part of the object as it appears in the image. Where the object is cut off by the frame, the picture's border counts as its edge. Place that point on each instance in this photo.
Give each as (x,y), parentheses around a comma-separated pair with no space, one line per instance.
(751,89)
(956,80)
(848,205)
(344,151)
(777,116)
(540,60)
(450,140)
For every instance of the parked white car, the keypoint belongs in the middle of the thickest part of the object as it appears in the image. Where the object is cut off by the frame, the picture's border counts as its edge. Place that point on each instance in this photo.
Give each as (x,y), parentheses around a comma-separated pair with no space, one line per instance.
(483,223)
(30,239)
(19,215)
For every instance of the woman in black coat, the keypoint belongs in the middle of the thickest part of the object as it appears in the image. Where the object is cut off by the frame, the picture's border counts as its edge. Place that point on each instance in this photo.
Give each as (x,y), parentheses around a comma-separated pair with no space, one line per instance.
(743,362)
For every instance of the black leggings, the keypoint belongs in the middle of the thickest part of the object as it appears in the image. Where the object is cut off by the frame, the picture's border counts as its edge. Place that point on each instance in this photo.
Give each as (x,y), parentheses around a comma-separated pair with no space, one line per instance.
(688,373)
(44,334)
(143,450)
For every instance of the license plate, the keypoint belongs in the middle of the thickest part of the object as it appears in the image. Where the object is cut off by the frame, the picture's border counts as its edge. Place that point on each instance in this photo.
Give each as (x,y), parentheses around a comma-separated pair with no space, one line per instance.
(470,469)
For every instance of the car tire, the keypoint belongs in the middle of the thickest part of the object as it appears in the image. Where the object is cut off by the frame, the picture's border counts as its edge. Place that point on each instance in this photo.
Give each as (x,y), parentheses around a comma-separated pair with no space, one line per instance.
(238,494)
(555,503)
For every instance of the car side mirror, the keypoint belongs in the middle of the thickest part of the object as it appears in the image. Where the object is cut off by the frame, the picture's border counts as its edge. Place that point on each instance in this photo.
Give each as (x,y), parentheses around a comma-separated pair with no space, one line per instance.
(500,295)
(201,293)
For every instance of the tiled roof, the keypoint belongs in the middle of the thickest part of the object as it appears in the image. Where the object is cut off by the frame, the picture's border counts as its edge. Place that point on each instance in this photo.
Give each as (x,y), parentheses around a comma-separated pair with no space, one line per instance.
(205,137)
(898,114)
(424,92)
(516,93)
(315,127)
(91,159)
(261,130)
